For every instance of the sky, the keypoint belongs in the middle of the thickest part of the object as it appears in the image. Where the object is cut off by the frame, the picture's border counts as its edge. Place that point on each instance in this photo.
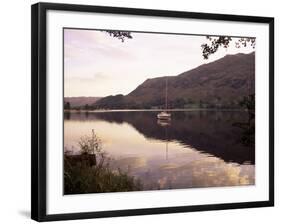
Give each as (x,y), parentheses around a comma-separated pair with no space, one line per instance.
(97,64)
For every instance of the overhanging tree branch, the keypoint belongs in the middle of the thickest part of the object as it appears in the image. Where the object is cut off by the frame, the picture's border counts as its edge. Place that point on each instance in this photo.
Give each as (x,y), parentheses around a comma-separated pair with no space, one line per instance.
(121,35)
(224,41)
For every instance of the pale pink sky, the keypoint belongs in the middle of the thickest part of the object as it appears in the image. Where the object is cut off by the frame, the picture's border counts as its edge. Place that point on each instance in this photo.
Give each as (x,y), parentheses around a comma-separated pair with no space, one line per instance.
(96,64)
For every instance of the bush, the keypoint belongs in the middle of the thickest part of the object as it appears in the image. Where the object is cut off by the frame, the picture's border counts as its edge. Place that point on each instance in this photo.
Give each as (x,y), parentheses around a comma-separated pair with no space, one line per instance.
(80,177)
(90,172)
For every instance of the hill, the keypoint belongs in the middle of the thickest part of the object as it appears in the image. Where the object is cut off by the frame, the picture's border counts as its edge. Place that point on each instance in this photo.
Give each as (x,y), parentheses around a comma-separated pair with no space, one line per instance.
(222,83)
(81,101)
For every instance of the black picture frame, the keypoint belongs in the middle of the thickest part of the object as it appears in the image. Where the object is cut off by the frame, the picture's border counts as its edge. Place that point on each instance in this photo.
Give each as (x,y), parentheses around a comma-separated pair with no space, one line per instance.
(39,108)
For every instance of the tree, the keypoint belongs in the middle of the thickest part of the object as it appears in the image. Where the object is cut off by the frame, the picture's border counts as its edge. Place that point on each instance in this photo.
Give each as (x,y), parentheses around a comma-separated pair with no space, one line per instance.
(121,35)
(67,106)
(87,107)
(248,102)
(224,41)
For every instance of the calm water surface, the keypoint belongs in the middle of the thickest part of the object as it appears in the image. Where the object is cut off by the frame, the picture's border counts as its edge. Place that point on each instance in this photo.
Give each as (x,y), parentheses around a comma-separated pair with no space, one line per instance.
(195,149)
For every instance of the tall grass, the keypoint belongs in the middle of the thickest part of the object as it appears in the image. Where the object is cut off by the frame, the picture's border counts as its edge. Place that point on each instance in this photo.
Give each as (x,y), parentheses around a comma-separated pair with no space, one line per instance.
(90,172)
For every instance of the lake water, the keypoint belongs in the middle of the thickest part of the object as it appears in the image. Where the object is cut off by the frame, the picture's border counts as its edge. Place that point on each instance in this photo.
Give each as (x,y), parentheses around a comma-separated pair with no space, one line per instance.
(194,149)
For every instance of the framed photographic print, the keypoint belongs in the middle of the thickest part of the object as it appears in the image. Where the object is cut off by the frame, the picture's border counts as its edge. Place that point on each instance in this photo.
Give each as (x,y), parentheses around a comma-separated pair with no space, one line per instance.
(140,111)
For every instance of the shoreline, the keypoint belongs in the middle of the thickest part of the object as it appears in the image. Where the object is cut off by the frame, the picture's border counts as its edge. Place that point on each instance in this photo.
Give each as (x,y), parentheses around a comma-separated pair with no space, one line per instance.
(152,110)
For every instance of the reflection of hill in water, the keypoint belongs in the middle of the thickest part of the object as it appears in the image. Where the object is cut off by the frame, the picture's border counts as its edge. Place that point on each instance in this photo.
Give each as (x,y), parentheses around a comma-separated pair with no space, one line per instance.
(207,131)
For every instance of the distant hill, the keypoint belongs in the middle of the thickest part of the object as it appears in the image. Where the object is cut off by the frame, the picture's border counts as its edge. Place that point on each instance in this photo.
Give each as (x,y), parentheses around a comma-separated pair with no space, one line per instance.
(81,101)
(222,83)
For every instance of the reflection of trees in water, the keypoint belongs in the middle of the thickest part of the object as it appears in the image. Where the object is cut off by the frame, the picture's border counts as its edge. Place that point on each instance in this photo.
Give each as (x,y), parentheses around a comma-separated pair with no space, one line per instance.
(210,132)
(67,115)
(247,137)
(248,127)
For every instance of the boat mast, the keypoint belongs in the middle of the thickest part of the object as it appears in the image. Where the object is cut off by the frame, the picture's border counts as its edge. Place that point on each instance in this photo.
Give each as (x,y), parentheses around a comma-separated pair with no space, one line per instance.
(166,135)
(166,92)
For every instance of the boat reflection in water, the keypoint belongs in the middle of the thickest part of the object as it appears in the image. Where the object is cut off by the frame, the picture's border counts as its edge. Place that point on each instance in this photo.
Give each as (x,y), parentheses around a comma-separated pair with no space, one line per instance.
(165,123)
(195,149)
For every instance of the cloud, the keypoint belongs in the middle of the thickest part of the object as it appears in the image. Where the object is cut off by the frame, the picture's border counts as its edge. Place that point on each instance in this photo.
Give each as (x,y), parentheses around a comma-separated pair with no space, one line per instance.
(85,44)
(97,84)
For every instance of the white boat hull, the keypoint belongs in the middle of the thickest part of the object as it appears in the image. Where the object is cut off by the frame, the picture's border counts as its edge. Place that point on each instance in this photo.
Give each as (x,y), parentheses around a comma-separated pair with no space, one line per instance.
(164,116)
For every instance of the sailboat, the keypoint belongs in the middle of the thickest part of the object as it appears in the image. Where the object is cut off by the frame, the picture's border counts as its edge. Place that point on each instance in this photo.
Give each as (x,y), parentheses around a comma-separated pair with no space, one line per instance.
(164,115)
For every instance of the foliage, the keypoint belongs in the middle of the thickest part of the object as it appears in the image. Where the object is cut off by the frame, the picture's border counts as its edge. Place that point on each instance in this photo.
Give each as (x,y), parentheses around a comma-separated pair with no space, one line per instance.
(80,177)
(248,102)
(248,128)
(90,144)
(84,174)
(120,102)
(224,41)
(67,106)
(121,35)
(115,102)
(86,107)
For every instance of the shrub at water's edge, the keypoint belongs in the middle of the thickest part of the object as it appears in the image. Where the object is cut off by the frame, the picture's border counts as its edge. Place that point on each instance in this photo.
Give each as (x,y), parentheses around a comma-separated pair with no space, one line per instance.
(84,173)
(80,177)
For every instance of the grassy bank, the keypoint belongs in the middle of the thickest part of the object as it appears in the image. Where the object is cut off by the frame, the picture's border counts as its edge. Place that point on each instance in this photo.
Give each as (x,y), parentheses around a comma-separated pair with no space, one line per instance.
(90,172)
